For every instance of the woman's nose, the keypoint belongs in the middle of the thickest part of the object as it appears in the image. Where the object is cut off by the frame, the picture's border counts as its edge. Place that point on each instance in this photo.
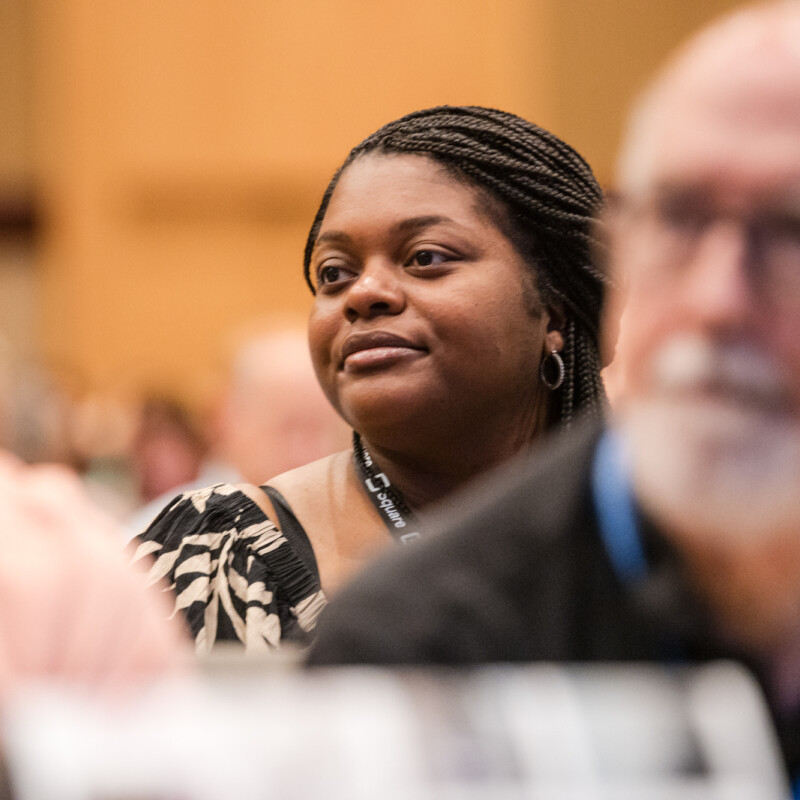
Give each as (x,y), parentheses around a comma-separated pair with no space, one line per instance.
(377,291)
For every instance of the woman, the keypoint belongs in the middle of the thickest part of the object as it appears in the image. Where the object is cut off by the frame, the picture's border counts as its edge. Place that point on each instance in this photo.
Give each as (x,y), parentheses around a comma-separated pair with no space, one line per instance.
(454,321)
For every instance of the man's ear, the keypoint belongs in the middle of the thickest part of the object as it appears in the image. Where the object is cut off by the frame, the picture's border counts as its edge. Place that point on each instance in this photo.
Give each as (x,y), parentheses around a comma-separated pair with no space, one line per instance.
(556,324)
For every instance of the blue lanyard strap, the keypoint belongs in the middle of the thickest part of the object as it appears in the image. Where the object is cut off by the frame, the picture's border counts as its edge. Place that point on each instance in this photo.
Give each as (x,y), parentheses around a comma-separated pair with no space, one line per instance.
(616,512)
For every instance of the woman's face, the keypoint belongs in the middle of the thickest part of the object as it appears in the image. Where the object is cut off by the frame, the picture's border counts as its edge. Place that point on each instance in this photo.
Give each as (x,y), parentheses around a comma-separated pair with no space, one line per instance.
(423,314)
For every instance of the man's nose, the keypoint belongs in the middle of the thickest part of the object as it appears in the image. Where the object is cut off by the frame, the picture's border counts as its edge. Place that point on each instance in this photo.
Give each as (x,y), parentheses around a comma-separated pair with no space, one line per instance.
(719,286)
(378,290)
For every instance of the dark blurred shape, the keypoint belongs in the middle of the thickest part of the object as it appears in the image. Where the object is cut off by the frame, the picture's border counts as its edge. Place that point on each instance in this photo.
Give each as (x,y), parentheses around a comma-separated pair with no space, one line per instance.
(18,215)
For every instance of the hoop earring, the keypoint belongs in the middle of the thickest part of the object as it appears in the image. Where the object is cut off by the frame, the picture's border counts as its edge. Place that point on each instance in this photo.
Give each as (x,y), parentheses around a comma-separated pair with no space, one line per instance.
(559,362)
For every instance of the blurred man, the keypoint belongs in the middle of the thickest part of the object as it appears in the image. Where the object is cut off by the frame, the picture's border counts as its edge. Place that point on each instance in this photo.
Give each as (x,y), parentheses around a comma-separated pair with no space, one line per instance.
(274,416)
(676,533)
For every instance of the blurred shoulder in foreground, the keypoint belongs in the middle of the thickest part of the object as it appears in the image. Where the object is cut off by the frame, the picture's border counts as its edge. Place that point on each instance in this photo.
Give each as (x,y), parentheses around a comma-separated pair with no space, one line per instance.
(71,606)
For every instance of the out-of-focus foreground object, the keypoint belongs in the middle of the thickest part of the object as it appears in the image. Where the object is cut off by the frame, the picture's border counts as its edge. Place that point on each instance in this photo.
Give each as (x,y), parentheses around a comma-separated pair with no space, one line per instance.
(71,607)
(536,731)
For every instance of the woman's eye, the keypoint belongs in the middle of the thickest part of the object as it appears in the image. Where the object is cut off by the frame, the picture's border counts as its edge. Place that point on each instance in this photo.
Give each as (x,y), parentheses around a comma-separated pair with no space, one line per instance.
(427,258)
(331,274)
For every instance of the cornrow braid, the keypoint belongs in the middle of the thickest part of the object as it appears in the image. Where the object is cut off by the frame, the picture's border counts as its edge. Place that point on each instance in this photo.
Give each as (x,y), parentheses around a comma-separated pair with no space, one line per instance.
(547,195)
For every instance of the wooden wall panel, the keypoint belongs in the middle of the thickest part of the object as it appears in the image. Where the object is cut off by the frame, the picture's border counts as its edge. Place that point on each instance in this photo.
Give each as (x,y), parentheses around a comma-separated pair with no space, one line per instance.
(14,94)
(607,51)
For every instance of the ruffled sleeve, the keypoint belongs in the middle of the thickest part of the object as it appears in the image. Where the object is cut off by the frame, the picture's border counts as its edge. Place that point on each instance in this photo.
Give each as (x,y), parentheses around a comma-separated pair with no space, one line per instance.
(233,573)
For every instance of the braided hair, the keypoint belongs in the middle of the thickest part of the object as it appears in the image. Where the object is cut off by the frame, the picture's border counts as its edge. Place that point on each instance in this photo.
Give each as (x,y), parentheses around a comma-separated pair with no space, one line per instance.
(547,195)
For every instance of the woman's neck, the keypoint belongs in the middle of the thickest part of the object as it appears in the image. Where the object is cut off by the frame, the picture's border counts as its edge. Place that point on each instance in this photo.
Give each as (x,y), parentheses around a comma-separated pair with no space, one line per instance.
(429,474)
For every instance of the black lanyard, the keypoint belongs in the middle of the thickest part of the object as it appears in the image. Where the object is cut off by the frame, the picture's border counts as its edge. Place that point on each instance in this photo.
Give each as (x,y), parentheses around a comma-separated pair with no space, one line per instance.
(388,500)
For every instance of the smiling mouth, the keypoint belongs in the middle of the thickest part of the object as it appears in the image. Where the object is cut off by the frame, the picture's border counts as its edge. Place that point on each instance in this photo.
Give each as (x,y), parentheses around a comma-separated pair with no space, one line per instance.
(376,349)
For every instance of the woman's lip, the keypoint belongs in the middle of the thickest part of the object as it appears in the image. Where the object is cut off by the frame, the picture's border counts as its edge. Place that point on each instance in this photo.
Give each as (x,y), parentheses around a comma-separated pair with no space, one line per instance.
(358,343)
(379,357)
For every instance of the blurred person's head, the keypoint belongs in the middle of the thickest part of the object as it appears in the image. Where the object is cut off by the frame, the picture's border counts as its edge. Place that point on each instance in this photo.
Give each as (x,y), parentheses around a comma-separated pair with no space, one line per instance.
(36,410)
(705,232)
(167,449)
(273,416)
(465,234)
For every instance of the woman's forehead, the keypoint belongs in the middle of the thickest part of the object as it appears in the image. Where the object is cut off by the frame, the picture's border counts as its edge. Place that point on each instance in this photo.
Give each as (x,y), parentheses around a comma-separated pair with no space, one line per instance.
(379,166)
(399,183)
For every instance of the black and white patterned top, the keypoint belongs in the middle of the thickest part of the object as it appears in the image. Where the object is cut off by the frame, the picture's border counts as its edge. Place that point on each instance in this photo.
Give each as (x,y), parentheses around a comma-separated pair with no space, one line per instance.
(235,576)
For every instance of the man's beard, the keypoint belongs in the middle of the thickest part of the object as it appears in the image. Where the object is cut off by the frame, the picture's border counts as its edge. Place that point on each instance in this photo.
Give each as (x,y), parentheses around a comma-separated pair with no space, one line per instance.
(714,445)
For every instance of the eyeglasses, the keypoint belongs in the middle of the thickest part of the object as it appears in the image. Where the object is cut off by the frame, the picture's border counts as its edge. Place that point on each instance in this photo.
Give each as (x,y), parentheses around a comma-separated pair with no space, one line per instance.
(674,224)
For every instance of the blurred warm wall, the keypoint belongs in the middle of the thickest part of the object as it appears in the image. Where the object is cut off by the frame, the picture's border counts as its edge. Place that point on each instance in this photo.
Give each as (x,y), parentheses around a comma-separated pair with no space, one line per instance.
(170,154)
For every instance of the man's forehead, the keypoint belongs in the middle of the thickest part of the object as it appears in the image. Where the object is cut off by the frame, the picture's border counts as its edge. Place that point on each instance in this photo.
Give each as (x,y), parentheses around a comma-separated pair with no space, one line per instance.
(731,100)
(740,141)
(752,83)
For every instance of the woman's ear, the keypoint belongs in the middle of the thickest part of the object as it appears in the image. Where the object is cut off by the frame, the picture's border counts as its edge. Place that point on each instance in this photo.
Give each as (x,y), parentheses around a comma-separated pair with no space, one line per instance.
(556,323)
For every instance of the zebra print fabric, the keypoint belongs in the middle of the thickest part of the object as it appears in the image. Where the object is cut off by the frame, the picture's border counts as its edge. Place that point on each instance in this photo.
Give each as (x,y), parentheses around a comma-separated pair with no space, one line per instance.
(234,574)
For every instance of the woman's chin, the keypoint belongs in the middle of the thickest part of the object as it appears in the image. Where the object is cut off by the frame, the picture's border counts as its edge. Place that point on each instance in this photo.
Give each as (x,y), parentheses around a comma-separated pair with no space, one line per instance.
(402,413)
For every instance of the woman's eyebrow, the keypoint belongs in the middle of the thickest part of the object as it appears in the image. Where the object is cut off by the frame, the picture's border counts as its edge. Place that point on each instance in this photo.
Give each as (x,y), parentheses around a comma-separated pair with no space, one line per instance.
(415,223)
(405,226)
(334,236)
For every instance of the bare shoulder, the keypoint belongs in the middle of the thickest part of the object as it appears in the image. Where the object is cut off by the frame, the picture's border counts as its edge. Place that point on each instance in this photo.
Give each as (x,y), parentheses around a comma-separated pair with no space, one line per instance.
(328,501)
(304,487)
(311,479)
(325,492)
